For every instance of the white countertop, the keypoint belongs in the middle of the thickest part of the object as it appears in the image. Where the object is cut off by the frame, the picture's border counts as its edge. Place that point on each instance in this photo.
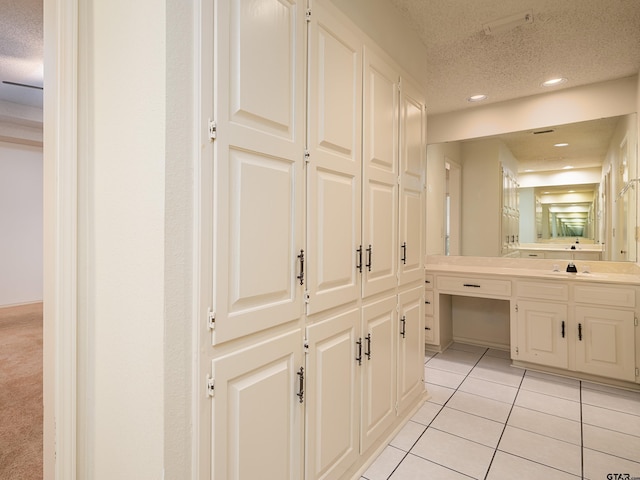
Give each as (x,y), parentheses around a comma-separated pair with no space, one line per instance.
(600,272)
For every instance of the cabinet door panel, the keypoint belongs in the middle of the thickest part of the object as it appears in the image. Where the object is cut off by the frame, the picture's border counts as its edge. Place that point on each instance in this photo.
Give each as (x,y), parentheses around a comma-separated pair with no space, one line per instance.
(334,170)
(258,177)
(379,369)
(332,409)
(607,344)
(380,174)
(540,333)
(412,168)
(257,418)
(410,347)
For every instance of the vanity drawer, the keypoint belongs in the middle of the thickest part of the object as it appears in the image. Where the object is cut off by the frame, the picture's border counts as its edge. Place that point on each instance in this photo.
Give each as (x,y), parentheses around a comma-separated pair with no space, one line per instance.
(475,286)
(428,303)
(603,295)
(544,291)
(428,281)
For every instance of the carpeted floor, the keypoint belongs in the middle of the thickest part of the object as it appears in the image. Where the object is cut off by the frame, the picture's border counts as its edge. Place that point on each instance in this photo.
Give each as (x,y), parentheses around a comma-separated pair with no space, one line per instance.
(21,392)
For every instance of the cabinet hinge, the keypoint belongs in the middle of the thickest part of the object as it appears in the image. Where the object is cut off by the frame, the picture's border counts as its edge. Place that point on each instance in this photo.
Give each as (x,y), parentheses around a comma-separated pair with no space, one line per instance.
(211,319)
(211,386)
(307,156)
(635,321)
(516,307)
(637,372)
(308,14)
(306,297)
(517,351)
(213,130)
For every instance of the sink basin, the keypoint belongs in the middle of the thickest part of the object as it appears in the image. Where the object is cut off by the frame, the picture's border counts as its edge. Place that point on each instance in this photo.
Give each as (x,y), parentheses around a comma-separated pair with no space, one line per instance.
(577,274)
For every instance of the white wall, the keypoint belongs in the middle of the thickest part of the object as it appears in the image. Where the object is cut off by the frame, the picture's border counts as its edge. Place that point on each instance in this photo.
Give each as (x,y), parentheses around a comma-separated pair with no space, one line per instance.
(606,99)
(437,156)
(20,224)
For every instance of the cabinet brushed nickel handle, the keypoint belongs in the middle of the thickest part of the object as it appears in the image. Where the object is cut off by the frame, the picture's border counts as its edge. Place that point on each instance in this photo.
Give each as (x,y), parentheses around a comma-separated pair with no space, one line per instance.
(563,329)
(369,257)
(368,351)
(580,331)
(427,328)
(470,285)
(427,302)
(359,357)
(359,261)
(404,253)
(300,393)
(301,276)
(403,322)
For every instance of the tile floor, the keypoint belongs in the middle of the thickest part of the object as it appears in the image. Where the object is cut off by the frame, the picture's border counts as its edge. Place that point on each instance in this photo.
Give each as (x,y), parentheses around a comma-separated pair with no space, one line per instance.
(488,420)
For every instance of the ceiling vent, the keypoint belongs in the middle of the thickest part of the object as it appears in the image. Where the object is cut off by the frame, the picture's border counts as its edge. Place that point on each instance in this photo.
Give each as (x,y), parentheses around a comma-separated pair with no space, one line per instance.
(508,23)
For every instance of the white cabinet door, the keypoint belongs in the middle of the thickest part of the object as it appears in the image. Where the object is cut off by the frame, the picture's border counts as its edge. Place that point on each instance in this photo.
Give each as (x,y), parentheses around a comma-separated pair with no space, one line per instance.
(256,413)
(258,200)
(334,169)
(380,175)
(333,396)
(410,347)
(605,342)
(412,178)
(542,333)
(378,369)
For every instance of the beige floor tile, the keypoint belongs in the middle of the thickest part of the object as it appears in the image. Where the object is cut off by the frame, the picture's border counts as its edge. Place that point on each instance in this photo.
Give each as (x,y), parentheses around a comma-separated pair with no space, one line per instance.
(442,377)
(426,413)
(492,390)
(548,404)
(416,468)
(538,448)
(548,386)
(508,467)
(480,406)
(407,436)
(386,463)
(446,450)
(611,419)
(471,427)
(544,424)
(610,442)
(438,394)
(598,465)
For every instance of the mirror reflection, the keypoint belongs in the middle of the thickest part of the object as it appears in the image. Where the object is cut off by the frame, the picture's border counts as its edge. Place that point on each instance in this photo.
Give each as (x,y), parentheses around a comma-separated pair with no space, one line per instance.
(564,191)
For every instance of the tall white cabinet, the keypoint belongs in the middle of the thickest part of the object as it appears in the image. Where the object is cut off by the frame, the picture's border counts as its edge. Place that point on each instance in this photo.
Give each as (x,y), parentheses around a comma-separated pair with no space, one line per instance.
(316,214)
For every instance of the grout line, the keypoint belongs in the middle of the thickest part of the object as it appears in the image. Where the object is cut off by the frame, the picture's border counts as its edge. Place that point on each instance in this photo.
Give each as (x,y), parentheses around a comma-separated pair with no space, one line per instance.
(486,475)
(435,416)
(581,436)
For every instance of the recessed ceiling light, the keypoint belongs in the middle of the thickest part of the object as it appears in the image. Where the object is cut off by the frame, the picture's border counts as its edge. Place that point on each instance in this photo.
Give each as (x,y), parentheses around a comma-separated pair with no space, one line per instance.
(561,145)
(553,82)
(477,98)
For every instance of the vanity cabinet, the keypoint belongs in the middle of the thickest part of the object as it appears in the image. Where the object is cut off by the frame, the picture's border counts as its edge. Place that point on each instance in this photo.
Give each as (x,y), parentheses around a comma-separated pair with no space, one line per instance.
(557,322)
(583,328)
(604,324)
(539,325)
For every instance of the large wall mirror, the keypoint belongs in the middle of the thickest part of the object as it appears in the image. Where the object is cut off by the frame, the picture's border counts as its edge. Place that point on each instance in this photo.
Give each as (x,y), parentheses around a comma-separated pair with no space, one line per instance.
(563,191)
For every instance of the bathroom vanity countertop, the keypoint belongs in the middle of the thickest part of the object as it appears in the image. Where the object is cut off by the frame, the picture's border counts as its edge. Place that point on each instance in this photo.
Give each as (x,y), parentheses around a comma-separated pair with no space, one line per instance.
(600,272)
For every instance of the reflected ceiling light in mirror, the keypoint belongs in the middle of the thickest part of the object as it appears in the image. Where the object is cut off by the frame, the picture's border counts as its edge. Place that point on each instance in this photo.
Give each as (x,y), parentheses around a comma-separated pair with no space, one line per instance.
(568,167)
(477,98)
(561,145)
(552,82)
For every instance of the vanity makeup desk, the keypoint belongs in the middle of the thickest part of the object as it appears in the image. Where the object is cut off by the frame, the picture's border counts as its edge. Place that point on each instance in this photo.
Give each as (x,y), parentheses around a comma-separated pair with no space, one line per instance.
(582,324)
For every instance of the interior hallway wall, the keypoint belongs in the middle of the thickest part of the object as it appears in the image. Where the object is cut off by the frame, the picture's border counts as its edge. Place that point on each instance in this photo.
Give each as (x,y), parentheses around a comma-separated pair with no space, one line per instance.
(20,224)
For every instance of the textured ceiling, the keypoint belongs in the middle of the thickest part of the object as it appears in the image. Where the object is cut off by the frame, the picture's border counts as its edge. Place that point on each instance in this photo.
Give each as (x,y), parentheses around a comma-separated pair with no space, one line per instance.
(586,41)
(21,50)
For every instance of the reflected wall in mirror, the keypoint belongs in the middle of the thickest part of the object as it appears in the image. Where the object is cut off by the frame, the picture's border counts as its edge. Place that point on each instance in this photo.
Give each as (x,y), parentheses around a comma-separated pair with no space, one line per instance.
(563,191)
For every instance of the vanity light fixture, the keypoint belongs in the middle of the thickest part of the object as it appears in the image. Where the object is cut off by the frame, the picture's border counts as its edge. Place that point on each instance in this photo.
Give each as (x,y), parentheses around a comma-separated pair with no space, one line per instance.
(568,167)
(477,98)
(561,145)
(554,81)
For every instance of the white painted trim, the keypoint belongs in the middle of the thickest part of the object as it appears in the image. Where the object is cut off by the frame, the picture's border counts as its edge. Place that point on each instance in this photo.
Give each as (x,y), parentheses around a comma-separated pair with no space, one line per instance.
(60,233)
(202,236)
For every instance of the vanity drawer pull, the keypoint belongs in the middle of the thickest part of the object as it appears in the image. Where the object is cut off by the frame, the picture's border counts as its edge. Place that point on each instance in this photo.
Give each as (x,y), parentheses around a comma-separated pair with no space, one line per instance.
(470,285)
